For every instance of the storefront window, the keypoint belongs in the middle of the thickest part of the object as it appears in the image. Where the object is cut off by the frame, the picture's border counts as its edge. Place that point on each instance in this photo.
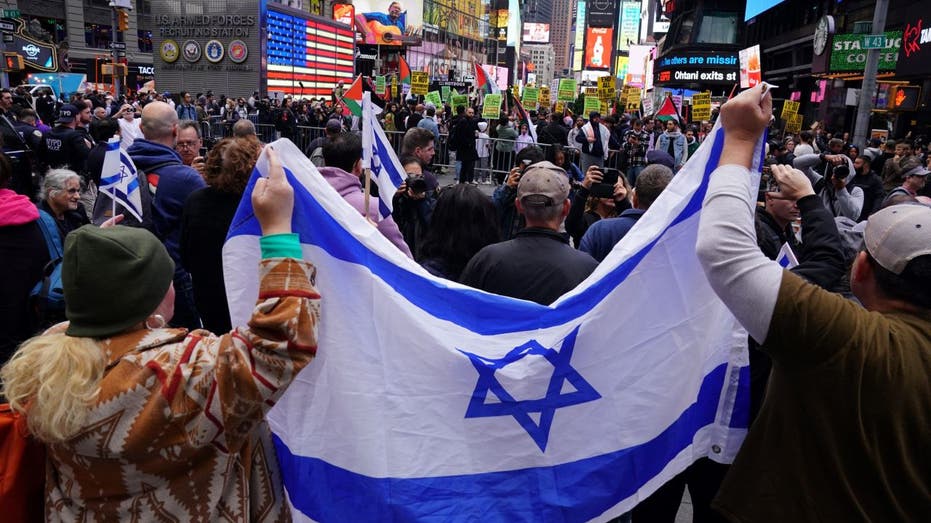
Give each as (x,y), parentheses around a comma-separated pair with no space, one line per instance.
(97,36)
(718,28)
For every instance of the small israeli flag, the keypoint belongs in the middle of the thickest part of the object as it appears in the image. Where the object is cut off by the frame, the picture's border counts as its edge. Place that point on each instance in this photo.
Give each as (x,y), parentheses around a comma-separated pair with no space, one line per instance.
(379,156)
(786,257)
(119,179)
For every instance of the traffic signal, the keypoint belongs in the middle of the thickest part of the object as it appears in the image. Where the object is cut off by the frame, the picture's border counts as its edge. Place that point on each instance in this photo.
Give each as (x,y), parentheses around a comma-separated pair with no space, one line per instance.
(122,20)
(13,62)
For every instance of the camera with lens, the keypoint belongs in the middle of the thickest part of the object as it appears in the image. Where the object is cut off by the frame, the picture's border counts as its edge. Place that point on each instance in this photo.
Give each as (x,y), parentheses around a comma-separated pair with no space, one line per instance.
(416,183)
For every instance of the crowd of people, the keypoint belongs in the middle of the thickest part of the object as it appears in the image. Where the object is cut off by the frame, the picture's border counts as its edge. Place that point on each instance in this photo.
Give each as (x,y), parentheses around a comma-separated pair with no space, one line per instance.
(844,333)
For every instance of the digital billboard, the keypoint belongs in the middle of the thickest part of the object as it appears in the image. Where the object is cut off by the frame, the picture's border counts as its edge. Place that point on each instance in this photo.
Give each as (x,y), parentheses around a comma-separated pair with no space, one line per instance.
(755,7)
(598,41)
(308,51)
(383,22)
(536,33)
(628,25)
(600,13)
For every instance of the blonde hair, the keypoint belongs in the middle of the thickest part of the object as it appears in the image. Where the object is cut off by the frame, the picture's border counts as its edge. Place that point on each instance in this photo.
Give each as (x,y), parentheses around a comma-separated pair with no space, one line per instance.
(53,380)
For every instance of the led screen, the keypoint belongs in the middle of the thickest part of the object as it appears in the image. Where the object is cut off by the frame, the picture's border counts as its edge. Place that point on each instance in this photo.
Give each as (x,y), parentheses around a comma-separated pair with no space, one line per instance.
(755,7)
(316,53)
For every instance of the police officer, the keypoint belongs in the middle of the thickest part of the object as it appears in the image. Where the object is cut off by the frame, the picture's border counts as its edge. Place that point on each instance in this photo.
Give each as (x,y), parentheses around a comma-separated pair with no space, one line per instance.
(26,127)
(20,154)
(63,146)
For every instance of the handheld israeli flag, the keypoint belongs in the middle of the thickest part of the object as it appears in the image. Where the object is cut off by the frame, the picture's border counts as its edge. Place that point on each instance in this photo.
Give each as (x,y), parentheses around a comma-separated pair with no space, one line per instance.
(378,155)
(431,401)
(786,257)
(119,179)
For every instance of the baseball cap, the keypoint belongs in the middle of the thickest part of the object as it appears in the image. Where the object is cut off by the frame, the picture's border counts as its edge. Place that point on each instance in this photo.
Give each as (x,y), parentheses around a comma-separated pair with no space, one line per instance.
(918,170)
(66,113)
(660,157)
(543,184)
(898,234)
(334,125)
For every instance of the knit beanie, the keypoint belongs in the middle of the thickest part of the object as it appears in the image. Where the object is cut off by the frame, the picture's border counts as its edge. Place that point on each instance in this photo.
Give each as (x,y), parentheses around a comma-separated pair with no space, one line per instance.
(112,278)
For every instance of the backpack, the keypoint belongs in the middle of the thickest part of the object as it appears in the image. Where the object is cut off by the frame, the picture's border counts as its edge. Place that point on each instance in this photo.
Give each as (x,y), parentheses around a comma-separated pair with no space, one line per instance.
(47,298)
(316,157)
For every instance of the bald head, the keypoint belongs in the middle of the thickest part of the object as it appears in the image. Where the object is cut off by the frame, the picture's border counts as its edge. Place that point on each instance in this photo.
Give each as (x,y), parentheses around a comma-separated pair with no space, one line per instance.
(243,128)
(160,123)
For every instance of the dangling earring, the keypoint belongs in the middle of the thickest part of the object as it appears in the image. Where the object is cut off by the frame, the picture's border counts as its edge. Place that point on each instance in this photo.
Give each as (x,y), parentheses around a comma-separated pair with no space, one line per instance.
(157,319)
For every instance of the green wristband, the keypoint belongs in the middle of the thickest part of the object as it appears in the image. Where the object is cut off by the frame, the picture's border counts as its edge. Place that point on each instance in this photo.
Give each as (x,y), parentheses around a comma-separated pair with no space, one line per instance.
(281,246)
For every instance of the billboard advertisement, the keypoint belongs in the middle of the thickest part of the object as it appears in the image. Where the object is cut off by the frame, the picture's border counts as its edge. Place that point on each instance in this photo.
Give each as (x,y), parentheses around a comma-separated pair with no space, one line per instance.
(307,56)
(750,73)
(536,33)
(755,7)
(383,22)
(660,20)
(629,25)
(598,42)
(915,57)
(579,43)
(637,64)
(601,13)
(458,17)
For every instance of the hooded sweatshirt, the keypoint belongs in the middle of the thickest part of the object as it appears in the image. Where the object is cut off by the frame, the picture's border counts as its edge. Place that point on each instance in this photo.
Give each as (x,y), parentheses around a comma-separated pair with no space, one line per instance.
(170,182)
(349,187)
(23,254)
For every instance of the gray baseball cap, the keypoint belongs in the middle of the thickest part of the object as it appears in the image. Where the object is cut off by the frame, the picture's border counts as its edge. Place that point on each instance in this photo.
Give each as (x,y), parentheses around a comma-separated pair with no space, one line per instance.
(898,234)
(543,184)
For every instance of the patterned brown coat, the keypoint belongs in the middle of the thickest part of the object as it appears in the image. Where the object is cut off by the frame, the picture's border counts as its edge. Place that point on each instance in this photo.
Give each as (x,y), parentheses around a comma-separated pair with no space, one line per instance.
(178,432)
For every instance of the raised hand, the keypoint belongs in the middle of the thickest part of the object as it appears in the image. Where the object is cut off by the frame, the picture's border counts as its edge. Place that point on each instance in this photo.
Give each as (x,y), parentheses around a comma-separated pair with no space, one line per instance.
(273,198)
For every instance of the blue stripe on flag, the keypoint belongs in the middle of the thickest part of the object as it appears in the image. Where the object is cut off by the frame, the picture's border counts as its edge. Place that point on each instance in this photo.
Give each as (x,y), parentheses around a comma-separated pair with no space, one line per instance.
(386,164)
(740,416)
(479,312)
(576,491)
(112,146)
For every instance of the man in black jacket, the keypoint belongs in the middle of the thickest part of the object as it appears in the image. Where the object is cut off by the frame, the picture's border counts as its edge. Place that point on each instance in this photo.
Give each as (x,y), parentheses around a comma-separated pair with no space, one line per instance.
(463,130)
(63,146)
(871,184)
(538,264)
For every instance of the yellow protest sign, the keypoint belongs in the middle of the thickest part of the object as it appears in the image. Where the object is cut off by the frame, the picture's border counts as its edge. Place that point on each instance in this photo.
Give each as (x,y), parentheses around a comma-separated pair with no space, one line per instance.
(788,109)
(701,106)
(794,124)
(420,82)
(544,99)
(633,100)
(560,107)
(606,88)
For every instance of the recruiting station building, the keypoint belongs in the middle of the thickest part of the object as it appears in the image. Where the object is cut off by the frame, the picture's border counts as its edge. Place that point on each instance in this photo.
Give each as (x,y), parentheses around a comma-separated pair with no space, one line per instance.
(241,46)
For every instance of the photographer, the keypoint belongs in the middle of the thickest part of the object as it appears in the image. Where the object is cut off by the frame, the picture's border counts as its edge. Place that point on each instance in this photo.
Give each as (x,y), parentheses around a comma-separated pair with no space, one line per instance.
(412,205)
(596,199)
(830,175)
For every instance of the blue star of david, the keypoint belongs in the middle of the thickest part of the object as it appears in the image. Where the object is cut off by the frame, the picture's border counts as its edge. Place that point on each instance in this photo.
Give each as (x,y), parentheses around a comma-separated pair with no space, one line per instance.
(521,410)
(376,162)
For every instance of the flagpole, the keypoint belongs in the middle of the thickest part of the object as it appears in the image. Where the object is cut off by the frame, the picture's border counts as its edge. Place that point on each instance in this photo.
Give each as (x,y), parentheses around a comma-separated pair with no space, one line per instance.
(367,139)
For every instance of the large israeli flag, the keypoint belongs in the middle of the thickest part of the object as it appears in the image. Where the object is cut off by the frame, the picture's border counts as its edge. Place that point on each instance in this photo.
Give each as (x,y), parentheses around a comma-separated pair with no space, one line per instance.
(431,401)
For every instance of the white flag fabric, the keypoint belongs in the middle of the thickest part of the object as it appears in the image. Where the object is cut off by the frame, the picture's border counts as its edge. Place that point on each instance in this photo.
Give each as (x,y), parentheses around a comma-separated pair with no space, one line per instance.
(432,401)
(786,257)
(119,180)
(379,156)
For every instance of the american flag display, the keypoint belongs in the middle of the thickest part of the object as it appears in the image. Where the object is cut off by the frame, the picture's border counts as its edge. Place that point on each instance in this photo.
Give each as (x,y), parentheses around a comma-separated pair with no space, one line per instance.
(312,51)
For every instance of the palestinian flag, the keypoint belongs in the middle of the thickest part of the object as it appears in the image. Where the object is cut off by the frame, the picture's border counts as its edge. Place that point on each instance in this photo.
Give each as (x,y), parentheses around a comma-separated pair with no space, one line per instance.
(352,98)
(668,111)
(483,83)
(404,71)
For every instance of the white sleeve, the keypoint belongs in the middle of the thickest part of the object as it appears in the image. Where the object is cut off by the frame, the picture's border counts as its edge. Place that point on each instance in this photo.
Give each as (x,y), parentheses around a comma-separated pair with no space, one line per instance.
(740,274)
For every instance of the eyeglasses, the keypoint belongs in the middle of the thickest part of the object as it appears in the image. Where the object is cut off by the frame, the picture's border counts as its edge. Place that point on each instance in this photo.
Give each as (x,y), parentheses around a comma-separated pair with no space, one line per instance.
(187,145)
